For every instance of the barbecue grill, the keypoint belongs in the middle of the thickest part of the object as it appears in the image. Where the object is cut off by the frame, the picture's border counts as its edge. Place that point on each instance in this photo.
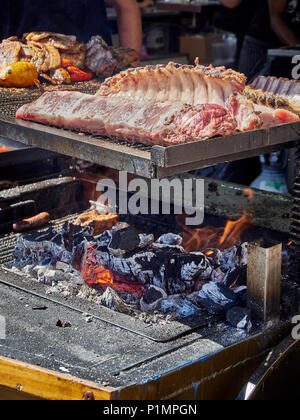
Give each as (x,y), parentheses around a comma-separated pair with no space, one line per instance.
(177,360)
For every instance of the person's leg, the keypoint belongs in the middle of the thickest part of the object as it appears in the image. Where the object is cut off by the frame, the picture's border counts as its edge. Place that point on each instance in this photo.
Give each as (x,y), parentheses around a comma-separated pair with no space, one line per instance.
(253,57)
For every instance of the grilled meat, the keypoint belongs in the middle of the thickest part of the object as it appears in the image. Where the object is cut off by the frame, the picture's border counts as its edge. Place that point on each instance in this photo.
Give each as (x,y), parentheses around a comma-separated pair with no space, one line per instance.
(32,223)
(45,51)
(60,75)
(99,58)
(104,60)
(99,222)
(139,121)
(65,41)
(9,52)
(275,93)
(77,58)
(191,85)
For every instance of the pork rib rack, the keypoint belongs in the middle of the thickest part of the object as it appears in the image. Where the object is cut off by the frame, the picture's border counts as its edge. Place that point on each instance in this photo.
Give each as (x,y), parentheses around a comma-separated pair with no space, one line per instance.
(155,105)
(134,120)
(191,85)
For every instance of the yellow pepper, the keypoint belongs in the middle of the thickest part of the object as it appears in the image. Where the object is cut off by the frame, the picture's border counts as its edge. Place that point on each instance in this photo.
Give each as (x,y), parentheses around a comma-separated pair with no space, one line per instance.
(19,74)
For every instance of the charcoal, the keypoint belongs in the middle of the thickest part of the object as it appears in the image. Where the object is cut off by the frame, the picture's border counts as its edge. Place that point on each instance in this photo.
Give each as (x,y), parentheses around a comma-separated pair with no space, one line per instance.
(229,294)
(218,294)
(214,255)
(217,275)
(179,304)
(112,300)
(237,277)
(46,275)
(124,241)
(152,298)
(120,226)
(239,318)
(211,307)
(241,293)
(234,257)
(87,292)
(104,238)
(48,247)
(168,267)
(170,239)
(146,240)
(74,235)
(63,288)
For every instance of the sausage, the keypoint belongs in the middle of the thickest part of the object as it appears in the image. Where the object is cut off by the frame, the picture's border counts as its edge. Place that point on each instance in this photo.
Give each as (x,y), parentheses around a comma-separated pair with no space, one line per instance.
(32,223)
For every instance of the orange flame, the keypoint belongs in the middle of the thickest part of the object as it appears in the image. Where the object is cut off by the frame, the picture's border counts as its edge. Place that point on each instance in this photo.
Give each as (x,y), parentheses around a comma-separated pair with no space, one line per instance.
(249,193)
(209,253)
(211,237)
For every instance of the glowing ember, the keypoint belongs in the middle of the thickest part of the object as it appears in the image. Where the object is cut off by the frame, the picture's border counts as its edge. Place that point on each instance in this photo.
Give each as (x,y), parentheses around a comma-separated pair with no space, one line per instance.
(98,276)
(209,253)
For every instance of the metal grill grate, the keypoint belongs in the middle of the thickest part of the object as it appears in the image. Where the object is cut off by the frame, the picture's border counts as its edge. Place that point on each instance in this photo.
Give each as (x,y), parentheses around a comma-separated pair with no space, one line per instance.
(9,108)
(23,95)
(295,226)
(8,242)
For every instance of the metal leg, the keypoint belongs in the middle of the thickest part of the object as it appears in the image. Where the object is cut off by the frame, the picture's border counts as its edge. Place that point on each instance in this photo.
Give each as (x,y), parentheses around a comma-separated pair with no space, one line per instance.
(295,226)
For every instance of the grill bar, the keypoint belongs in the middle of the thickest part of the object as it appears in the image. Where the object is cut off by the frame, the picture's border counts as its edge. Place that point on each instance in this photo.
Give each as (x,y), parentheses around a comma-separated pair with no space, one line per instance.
(295,225)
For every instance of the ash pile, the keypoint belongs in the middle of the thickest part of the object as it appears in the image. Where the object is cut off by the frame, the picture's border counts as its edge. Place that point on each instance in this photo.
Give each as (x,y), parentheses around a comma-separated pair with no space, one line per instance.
(154,280)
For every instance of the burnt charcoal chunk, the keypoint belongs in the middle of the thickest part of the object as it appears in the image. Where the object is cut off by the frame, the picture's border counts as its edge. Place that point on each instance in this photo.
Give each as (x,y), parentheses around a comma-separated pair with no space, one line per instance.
(124,241)
(212,307)
(153,294)
(229,294)
(73,235)
(152,298)
(112,300)
(182,306)
(237,277)
(239,318)
(170,239)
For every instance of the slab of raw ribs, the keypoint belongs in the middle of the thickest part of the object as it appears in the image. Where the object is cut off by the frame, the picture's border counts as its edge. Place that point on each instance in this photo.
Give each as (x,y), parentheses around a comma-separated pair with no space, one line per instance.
(155,105)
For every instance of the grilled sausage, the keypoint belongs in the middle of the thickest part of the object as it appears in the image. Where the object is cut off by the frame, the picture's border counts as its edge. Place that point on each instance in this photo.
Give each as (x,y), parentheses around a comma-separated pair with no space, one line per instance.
(32,223)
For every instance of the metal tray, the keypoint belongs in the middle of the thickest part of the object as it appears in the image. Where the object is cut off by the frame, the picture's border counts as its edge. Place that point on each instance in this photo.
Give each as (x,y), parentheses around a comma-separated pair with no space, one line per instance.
(148,162)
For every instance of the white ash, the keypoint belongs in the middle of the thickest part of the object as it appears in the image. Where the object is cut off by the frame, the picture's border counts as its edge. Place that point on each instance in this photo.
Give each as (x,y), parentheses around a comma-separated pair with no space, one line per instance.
(157,318)
(212,291)
(63,288)
(170,239)
(112,300)
(88,293)
(178,304)
(146,240)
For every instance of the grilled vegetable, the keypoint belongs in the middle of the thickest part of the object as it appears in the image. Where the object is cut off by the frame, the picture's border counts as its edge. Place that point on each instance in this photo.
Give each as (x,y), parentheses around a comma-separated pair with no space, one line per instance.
(20,74)
(78,75)
(75,73)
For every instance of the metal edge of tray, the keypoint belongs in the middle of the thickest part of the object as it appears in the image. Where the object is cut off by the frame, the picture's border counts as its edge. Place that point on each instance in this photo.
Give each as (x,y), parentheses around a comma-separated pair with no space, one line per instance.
(102,152)
(155,162)
(189,156)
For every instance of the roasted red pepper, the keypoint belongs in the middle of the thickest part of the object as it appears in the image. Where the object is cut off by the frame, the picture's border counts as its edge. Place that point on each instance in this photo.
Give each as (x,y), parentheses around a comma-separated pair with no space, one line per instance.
(75,73)
(78,75)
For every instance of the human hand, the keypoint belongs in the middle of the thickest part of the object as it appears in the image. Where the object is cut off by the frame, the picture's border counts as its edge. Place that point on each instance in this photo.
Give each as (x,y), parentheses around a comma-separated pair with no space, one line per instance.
(146,3)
